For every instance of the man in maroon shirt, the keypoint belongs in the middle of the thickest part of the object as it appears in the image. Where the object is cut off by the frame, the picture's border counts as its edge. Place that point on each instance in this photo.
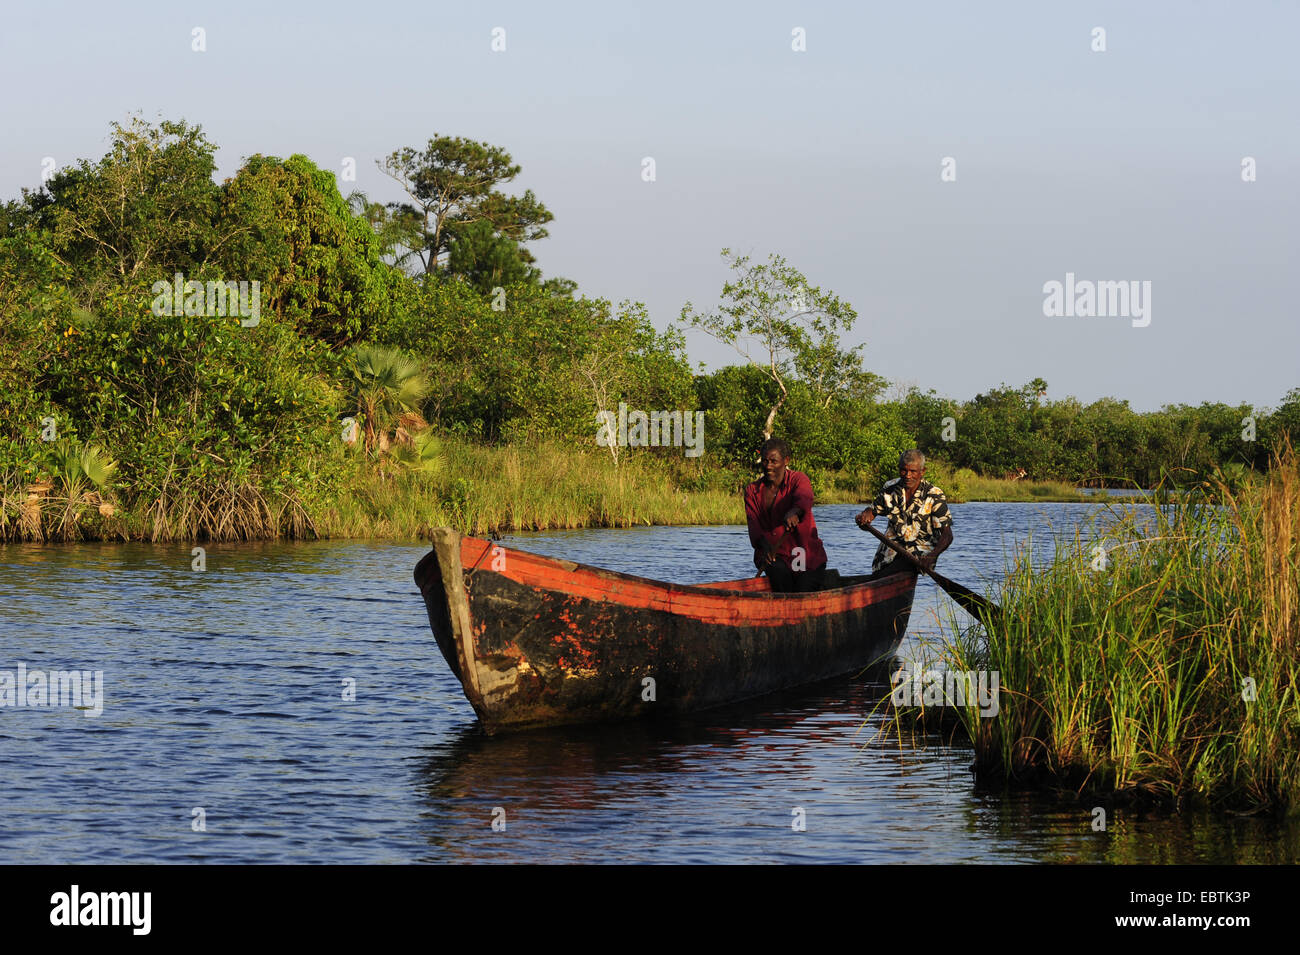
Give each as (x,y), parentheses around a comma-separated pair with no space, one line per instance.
(778,509)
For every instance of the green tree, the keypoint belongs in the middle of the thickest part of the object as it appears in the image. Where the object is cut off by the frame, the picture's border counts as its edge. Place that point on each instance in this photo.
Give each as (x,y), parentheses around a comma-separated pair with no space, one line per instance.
(320,265)
(923,415)
(997,434)
(35,308)
(386,384)
(452,184)
(1280,426)
(792,326)
(517,372)
(1121,443)
(486,259)
(211,423)
(398,230)
(500,373)
(627,360)
(146,208)
(735,400)
(1072,454)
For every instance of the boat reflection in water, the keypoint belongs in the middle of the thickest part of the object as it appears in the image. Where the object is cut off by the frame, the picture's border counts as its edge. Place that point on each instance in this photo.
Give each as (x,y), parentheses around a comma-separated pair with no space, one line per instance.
(591,789)
(723,786)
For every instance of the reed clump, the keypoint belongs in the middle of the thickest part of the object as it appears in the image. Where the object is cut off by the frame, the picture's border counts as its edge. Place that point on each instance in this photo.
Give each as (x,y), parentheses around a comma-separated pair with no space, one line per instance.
(1163,667)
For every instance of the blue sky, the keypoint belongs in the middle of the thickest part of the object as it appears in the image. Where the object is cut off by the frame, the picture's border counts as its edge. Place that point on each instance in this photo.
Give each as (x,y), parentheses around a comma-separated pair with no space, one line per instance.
(1115,165)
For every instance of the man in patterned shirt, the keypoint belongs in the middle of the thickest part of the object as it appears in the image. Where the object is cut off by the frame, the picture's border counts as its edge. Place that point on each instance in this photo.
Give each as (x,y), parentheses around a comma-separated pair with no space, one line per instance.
(918,515)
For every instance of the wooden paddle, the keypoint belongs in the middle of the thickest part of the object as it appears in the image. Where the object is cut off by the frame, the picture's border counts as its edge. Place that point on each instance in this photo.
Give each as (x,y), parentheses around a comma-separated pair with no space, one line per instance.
(976,604)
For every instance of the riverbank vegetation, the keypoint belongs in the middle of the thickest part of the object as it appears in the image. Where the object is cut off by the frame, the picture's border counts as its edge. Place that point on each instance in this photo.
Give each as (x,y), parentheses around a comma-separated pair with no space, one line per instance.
(181,358)
(1163,667)
(464,484)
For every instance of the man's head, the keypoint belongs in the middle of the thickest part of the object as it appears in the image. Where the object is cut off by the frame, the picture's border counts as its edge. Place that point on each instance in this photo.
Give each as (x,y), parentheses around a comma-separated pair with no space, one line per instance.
(911,468)
(773,458)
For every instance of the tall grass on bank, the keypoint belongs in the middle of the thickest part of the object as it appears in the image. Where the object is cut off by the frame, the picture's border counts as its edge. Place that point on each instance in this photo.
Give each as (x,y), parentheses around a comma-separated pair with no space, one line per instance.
(475,488)
(977,488)
(959,485)
(482,489)
(405,491)
(229,512)
(1171,674)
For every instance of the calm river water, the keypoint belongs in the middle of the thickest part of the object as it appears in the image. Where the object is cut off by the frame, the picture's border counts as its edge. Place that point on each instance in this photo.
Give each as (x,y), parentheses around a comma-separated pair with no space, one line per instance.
(225,735)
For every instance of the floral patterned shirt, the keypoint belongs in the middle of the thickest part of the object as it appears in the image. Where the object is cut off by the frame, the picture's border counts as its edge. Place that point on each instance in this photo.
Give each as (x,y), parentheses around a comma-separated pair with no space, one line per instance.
(917,525)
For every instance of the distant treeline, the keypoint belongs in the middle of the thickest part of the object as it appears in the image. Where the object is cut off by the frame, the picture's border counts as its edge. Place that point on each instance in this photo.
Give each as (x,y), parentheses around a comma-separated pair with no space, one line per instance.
(1101,443)
(123,386)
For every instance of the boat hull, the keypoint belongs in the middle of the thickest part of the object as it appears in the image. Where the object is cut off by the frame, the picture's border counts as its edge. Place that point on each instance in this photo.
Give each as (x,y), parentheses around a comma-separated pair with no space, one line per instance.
(537,641)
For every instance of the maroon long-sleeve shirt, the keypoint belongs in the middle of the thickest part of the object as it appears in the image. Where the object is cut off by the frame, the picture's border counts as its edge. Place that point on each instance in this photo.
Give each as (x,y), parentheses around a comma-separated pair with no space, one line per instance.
(795,490)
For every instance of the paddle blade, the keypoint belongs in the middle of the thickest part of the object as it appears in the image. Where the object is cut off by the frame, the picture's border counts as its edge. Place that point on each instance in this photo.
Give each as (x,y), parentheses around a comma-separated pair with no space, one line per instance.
(977,605)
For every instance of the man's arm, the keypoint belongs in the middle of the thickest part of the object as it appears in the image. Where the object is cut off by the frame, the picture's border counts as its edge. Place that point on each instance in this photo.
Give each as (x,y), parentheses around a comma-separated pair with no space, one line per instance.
(943,517)
(945,538)
(878,506)
(801,501)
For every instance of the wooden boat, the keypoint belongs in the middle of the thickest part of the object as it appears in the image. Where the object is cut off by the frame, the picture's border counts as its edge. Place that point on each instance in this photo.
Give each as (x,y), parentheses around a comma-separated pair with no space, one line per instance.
(537,641)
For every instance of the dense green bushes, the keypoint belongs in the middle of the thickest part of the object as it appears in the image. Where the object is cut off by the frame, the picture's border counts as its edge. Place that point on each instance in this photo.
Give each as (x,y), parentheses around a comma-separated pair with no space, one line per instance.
(226,424)
(1103,443)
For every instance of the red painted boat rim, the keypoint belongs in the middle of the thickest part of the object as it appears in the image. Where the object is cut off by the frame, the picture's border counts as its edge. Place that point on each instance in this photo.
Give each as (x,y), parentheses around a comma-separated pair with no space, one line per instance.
(709,603)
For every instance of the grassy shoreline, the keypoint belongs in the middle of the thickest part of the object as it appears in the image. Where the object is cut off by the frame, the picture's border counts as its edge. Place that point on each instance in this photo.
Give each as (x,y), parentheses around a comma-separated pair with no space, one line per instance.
(1168,675)
(476,488)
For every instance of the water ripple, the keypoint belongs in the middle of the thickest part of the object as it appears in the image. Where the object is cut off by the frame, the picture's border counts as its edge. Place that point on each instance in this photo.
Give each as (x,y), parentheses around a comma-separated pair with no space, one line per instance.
(224,693)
